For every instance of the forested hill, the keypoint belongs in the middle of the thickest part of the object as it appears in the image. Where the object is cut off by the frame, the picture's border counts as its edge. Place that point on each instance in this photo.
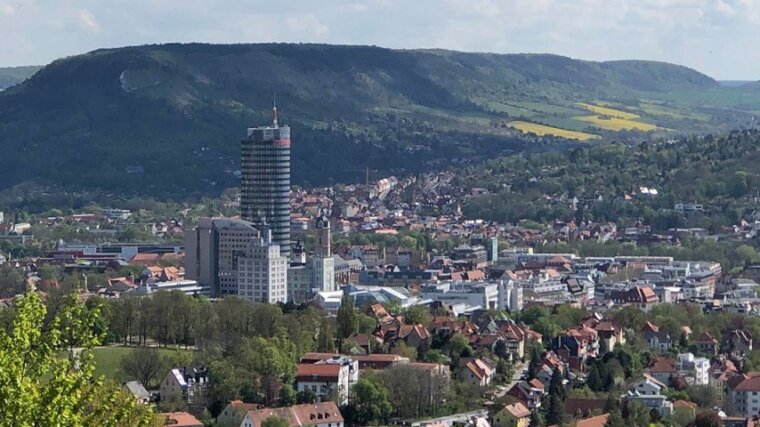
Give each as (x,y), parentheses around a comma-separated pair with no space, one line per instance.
(167,119)
(10,76)
(606,183)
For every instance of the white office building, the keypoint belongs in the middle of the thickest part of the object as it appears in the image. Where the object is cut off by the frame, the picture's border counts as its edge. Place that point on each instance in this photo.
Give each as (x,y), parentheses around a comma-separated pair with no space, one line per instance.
(263,272)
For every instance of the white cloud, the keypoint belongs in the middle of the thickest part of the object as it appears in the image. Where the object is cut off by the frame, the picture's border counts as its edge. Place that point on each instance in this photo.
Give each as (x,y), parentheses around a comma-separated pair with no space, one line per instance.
(87,21)
(307,25)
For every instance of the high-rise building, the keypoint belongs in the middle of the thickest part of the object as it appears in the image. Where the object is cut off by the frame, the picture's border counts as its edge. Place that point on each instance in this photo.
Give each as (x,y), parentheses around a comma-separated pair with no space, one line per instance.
(265,180)
(212,250)
(263,272)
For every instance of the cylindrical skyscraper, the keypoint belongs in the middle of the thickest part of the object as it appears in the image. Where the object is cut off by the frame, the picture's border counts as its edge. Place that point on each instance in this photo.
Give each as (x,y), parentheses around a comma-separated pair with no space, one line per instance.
(265,180)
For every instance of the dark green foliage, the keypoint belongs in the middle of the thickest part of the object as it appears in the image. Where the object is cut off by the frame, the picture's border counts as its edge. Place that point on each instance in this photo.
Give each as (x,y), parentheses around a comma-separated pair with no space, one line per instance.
(707,419)
(306,396)
(346,319)
(615,420)
(288,396)
(556,386)
(555,410)
(534,363)
(369,401)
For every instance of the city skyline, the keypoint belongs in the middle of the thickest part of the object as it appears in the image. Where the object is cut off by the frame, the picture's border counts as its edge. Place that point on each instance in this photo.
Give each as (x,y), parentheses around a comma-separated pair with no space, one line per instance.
(714,37)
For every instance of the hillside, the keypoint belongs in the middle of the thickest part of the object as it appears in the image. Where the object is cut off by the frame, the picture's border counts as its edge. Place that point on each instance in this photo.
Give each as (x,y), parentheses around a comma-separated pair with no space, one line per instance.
(166,119)
(605,183)
(10,76)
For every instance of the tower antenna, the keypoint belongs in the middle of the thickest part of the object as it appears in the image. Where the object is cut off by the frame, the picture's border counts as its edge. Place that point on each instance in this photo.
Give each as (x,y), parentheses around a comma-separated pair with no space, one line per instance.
(274,110)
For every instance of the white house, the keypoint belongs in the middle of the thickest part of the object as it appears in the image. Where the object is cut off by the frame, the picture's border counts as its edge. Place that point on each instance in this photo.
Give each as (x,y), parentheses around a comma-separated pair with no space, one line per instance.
(648,392)
(327,381)
(647,386)
(697,368)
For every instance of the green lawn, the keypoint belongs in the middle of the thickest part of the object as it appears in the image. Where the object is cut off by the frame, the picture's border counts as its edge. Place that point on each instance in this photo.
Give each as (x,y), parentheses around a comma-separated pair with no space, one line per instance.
(108,360)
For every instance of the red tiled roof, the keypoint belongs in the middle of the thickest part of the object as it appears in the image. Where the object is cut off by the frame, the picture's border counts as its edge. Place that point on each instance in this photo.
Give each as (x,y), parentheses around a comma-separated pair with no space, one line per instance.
(535,383)
(746,382)
(181,419)
(684,404)
(324,372)
(706,338)
(518,410)
(301,415)
(597,421)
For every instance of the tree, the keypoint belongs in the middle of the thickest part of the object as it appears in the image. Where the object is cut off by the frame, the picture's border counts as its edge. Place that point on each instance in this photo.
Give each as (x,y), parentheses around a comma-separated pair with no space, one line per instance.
(306,396)
(703,395)
(275,421)
(555,411)
(535,362)
(40,387)
(615,420)
(369,401)
(557,386)
(346,319)
(287,396)
(536,419)
(417,315)
(143,364)
(636,414)
(325,339)
(707,419)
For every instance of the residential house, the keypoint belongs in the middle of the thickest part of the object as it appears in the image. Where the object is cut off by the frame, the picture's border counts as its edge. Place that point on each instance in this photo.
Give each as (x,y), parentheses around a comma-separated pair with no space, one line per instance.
(514,415)
(183,384)
(658,340)
(476,371)
(412,335)
(136,389)
(327,381)
(233,414)
(743,395)
(325,414)
(695,368)
(641,297)
(740,341)
(662,369)
(720,372)
(549,364)
(180,419)
(576,345)
(707,344)
(610,332)
(529,393)
(648,391)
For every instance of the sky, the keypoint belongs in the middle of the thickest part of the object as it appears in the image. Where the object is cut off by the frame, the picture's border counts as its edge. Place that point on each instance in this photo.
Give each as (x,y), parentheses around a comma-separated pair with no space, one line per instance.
(720,38)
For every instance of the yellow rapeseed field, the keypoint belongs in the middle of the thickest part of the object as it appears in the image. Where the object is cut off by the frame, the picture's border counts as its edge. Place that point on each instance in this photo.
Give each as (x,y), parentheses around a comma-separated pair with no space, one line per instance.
(606,111)
(616,124)
(540,130)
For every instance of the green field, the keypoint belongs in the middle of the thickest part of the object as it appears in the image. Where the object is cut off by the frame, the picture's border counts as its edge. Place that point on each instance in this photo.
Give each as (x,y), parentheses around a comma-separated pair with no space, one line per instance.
(108,360)
(538,129)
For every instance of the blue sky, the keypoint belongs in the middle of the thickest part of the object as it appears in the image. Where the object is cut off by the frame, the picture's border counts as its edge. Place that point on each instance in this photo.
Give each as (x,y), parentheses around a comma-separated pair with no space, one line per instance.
(718,37)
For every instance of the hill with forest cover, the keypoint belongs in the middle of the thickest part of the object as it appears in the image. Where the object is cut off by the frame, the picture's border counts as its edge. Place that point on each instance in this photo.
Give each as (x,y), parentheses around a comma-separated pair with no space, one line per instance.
(613,182)
(10,76)
(166,120)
